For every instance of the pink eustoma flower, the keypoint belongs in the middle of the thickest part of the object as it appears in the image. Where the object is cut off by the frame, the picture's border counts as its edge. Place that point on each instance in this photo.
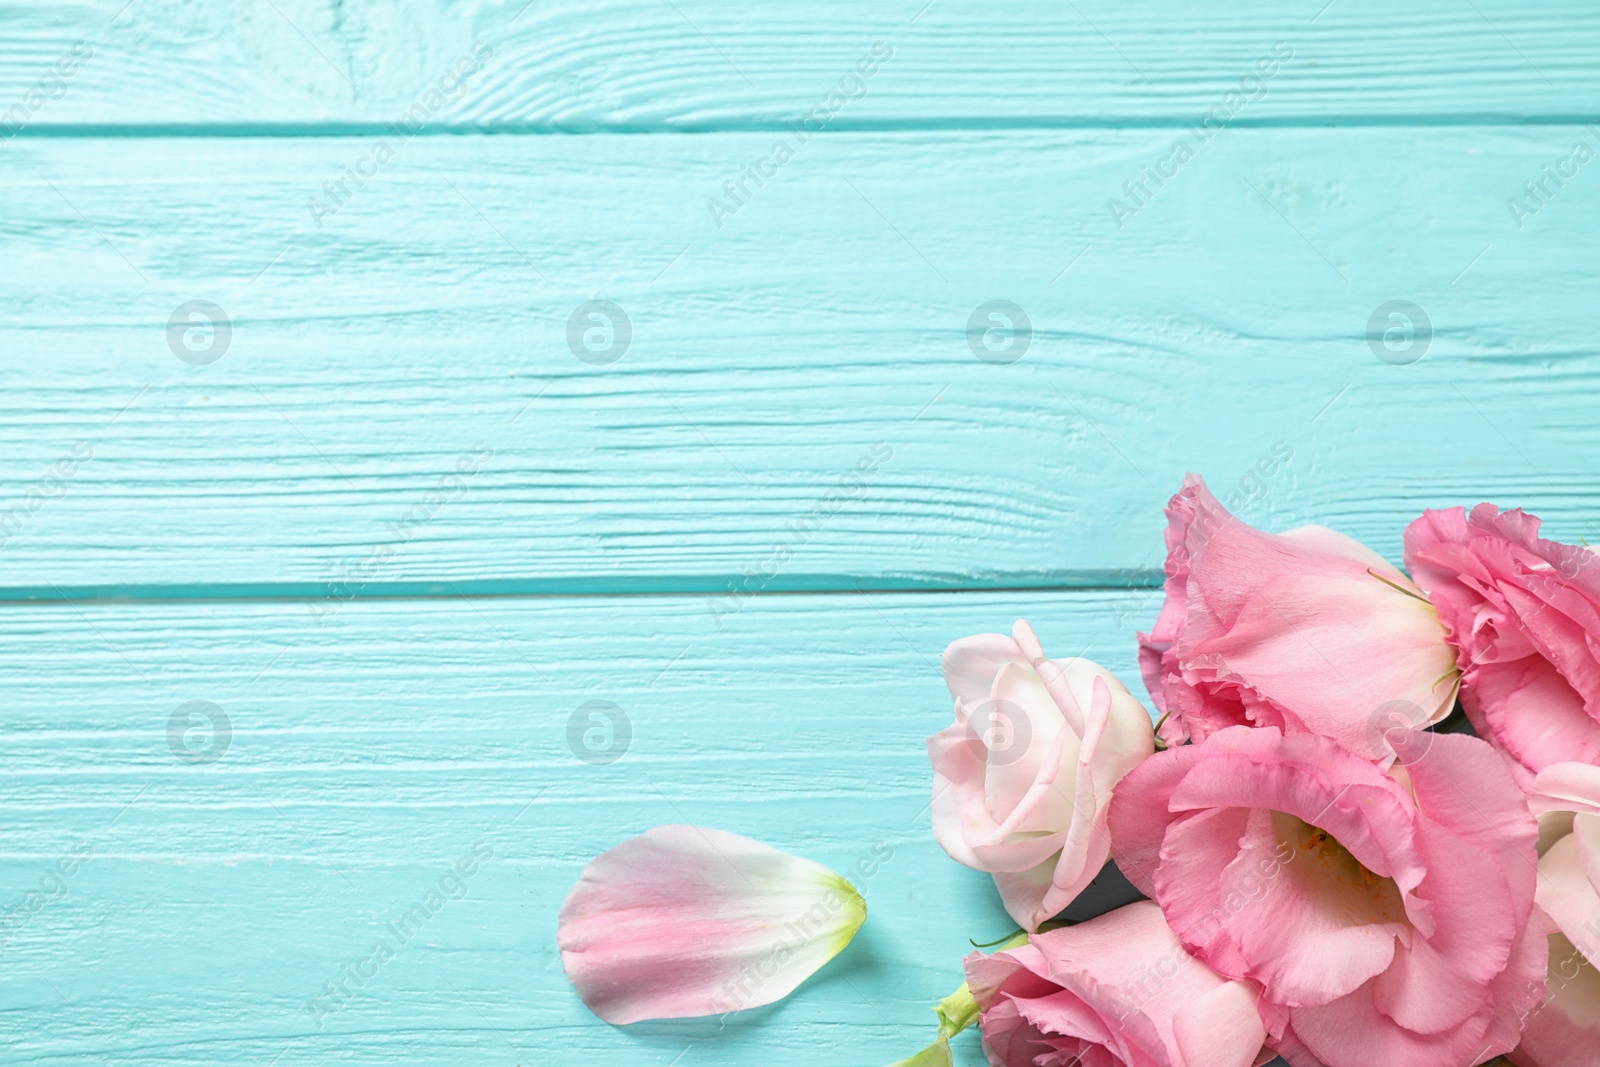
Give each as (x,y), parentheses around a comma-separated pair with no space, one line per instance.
(1564,1029)
(1384,916)
(684,921)
(1022,778)
(1524,614)
(1307,631)
(1116,991)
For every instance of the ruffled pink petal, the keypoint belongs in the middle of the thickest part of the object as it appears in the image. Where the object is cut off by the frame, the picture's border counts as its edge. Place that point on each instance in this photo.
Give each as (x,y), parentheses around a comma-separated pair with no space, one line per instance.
(1516,993)
(1118,990)
(1328,787)
(684,921)
(1356,1030)
(1138,815)
(1524,614)
(1307,631)
(1352,1030)
(1528,707)
(1194,881)
(1157,660)
(1465,791)
(1010,973)
(1312,937)
(1384,917)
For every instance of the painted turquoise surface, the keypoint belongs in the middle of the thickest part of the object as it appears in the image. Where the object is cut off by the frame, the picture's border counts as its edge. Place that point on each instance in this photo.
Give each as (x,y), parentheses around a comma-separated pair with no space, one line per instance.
(397,533)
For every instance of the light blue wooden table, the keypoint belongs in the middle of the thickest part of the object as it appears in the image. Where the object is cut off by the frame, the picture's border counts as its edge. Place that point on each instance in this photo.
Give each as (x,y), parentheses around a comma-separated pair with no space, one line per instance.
(321,522)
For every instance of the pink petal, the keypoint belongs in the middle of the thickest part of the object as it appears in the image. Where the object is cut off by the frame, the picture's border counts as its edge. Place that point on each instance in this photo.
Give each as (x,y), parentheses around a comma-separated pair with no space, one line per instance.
(963,822)
(1023,777)
(1569,884)
(1517,991)
(1355,1029)
(1566,787)
(1352,1030)
(1052,674)
(1564,1031)
(684,921)
(970,665)
(1118,739)
(958,807)
(1220,1028)
(1139,813)
(1117,990)
(1524,614)
(1383,918)
(1490,817)
(1024,892)
(1305,923)
(1014,774)
(1308,631)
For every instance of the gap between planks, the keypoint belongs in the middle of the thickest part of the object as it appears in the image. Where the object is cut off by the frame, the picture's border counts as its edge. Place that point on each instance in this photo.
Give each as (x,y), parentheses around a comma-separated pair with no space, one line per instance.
(574,588)
(951,124)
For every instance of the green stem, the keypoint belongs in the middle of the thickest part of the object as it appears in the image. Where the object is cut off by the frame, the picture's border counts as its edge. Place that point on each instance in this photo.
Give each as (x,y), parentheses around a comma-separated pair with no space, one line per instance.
(997,941)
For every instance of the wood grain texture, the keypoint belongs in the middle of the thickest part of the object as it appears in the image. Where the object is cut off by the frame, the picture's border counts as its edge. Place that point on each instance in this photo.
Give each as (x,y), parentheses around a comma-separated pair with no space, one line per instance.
(399,414)
(424,327)
(367,755)
(719,64)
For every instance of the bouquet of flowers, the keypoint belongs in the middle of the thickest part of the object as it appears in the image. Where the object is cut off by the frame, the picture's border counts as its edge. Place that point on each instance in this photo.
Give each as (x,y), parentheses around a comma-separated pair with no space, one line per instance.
(1364,831)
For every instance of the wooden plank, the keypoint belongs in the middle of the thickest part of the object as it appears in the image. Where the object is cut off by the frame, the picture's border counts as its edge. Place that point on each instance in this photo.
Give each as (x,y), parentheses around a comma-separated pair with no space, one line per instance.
(718,64)
(365,756)
(398,407)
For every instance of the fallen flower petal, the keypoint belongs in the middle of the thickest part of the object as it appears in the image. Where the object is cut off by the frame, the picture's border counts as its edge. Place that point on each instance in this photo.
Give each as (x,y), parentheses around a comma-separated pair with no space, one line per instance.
(683,921)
